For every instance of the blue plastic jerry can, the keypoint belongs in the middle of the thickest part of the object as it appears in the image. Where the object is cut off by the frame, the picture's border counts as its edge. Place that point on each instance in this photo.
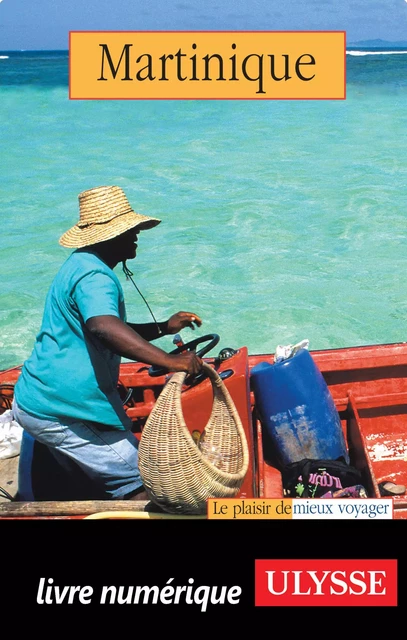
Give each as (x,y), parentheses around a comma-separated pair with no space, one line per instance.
(297,412)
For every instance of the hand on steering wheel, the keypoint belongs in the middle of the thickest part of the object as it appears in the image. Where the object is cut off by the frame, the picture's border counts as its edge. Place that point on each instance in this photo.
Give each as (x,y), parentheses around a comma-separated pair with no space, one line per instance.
(212,338)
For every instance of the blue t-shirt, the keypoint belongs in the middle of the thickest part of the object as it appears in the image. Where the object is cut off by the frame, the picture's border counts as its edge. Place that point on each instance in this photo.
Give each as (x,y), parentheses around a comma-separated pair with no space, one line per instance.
(70,374)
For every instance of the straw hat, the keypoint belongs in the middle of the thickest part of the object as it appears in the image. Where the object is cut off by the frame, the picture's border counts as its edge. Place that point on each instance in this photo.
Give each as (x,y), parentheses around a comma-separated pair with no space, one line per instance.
(104,213)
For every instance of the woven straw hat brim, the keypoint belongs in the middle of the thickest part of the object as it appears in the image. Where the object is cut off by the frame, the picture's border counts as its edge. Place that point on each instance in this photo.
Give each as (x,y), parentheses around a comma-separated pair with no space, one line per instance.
(77,237)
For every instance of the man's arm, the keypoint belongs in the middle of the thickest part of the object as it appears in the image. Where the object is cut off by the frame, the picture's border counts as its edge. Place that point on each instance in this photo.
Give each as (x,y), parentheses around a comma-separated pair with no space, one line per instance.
(176,323)
(123,340)
(150,330)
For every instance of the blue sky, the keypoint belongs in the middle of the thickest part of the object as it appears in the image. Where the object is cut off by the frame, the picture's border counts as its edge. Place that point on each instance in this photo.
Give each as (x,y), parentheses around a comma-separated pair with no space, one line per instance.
(44,24)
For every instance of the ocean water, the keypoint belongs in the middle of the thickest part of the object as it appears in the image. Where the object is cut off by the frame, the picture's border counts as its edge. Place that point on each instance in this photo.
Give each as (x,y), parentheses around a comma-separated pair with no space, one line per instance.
(282,220)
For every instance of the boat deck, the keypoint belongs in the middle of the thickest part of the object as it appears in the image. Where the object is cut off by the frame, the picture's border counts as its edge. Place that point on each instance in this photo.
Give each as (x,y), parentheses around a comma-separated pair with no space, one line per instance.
(9,476)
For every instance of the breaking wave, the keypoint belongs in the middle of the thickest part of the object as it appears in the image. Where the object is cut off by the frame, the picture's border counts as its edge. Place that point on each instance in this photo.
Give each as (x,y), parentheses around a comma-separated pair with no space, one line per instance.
(373,53)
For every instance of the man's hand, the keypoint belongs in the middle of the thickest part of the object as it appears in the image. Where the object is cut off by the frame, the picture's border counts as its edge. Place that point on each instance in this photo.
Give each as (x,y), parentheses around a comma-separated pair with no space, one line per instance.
(186,361)
(183,319)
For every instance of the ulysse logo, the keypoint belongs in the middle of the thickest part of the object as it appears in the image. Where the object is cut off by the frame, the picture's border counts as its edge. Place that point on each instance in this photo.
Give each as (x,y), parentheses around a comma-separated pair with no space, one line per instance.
(316,583)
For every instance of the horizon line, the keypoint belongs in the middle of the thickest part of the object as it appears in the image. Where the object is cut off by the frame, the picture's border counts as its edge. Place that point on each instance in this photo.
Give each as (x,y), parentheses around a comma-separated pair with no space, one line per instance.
(348,44)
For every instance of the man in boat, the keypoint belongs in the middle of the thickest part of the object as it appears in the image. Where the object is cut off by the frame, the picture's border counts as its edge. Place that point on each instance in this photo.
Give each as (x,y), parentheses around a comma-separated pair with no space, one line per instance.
(67,396)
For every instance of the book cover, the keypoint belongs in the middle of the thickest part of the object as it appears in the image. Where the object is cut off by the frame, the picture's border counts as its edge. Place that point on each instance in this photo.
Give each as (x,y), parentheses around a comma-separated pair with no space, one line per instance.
(283,219)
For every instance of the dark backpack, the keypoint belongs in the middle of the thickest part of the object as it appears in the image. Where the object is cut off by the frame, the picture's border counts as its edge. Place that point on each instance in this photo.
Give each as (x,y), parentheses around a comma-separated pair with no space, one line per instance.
(314,478)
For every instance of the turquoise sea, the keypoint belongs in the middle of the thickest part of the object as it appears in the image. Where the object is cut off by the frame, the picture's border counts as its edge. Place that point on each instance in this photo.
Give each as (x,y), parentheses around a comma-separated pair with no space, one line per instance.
(282,220)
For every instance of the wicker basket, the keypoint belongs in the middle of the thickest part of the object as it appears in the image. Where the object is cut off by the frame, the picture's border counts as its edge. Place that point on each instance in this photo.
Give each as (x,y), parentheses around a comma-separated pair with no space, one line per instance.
(177,473)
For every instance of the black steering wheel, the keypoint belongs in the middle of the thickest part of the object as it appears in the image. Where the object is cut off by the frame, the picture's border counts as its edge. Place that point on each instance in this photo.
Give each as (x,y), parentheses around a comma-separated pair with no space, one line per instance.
(213,340)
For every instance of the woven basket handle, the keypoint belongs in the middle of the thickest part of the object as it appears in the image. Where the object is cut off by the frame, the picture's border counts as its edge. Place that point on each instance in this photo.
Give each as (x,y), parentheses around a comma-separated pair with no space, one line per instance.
(217,383)
(213,375)
(179,378)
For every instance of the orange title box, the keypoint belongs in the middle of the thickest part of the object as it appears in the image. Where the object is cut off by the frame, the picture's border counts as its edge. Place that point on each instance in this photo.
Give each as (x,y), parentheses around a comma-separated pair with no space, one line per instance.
(207,65)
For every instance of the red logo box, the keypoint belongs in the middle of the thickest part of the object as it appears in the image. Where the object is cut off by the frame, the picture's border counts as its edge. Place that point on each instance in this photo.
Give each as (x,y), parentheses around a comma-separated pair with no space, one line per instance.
(326,583)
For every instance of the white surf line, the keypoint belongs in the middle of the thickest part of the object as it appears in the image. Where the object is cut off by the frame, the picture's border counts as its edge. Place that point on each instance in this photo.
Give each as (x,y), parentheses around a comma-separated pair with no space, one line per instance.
(373,53)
